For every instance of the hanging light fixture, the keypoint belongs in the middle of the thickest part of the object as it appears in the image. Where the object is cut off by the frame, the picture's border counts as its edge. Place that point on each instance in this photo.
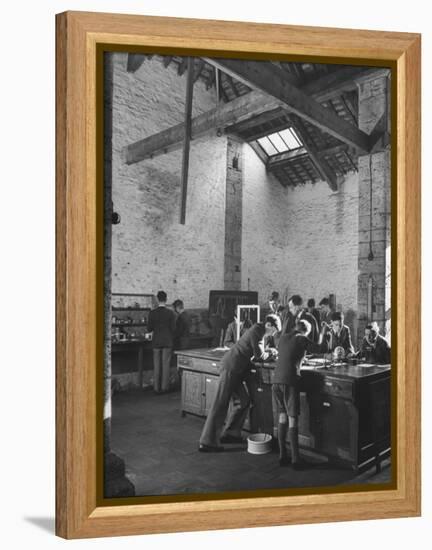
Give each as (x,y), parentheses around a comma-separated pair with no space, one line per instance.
(371,254)
(370,297)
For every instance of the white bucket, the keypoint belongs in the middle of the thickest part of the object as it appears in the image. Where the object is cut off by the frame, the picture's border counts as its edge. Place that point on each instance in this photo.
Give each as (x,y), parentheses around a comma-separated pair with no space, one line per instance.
(259,444)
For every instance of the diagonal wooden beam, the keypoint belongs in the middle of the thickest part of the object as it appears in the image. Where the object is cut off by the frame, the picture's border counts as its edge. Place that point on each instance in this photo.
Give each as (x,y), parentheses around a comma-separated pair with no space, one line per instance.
(320,163)
(257,121)
(265,77)
(222,116)
(166,141)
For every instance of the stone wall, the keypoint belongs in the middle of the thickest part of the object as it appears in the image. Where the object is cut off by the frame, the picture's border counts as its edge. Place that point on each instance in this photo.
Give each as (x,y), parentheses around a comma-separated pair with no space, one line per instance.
(300,240)
(264,238)
(151,250)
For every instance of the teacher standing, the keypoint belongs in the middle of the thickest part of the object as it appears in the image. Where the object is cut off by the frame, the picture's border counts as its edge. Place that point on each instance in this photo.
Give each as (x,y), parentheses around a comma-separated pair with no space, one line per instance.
(162,323)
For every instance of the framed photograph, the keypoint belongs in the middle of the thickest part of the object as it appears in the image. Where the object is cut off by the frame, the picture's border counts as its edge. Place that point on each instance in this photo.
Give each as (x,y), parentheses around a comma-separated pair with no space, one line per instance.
(238,275)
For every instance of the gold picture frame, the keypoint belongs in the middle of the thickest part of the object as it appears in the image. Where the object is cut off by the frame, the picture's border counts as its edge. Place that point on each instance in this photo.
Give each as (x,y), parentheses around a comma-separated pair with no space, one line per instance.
(81,37)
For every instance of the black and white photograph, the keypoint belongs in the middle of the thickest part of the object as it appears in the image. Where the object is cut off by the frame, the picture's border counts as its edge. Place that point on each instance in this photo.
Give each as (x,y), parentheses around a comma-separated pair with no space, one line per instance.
(247,275)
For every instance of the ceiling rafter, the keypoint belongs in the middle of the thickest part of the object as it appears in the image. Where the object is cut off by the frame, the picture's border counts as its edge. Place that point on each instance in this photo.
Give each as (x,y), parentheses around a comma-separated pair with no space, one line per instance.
(349,107)
(268,79)
(265,122)
(320,163)
(221,116)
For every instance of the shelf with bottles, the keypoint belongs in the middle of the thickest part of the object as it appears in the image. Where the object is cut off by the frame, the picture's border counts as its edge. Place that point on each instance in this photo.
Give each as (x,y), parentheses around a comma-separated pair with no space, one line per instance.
(130,333)
(130,316)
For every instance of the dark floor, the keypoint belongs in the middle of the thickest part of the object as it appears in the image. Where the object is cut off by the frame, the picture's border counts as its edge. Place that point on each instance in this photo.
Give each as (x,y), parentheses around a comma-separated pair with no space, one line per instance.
(160,446)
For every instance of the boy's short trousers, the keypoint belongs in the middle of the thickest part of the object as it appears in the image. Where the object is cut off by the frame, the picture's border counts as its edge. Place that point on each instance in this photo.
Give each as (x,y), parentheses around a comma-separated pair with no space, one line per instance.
(287,399)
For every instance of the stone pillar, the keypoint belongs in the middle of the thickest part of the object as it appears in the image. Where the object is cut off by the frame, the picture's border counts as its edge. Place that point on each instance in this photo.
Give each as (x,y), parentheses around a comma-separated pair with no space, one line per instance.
(116,484)
(374,261)
(233,214)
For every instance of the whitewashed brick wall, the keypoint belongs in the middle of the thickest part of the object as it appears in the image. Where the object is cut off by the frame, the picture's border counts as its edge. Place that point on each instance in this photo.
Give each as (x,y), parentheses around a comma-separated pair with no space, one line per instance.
(151,250)
(265,237)
(299,240)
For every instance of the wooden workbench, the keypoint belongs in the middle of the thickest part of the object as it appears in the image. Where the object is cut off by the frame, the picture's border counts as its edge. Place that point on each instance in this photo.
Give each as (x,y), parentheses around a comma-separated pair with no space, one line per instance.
(345,409)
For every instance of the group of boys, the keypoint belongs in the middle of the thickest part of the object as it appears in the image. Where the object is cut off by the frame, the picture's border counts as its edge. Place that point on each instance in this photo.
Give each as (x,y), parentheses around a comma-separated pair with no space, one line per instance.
(295,332)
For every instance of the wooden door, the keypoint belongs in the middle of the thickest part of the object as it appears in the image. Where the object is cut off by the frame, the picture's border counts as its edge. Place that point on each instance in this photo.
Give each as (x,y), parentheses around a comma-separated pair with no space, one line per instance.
(210,384)
(192,390)
(338,428)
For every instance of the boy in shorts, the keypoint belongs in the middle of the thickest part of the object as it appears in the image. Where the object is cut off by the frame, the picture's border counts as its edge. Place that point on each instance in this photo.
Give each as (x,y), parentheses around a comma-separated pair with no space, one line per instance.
(292,349)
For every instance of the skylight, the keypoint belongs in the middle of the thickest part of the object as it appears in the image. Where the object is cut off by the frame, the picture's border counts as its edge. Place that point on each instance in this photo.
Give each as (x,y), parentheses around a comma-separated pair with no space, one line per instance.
(280,142)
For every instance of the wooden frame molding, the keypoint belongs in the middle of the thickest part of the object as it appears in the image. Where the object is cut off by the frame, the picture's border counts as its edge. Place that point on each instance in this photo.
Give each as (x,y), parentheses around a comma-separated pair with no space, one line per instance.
(80,512)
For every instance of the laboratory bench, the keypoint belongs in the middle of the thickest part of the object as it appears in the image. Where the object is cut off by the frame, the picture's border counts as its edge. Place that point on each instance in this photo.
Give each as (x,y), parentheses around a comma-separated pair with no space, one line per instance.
(345,408)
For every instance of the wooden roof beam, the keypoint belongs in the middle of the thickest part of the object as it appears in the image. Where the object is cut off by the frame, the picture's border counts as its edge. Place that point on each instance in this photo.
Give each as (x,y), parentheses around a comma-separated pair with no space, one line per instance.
(255,121)
(287,156)
(224,115)
(276,161)
(265,77)
(158,144)
(320,163)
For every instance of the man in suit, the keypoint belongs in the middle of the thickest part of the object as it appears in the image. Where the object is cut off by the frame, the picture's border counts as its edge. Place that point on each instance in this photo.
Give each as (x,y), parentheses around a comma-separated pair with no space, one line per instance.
(297,313)
(182,330)
(162,323)
(234,369)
